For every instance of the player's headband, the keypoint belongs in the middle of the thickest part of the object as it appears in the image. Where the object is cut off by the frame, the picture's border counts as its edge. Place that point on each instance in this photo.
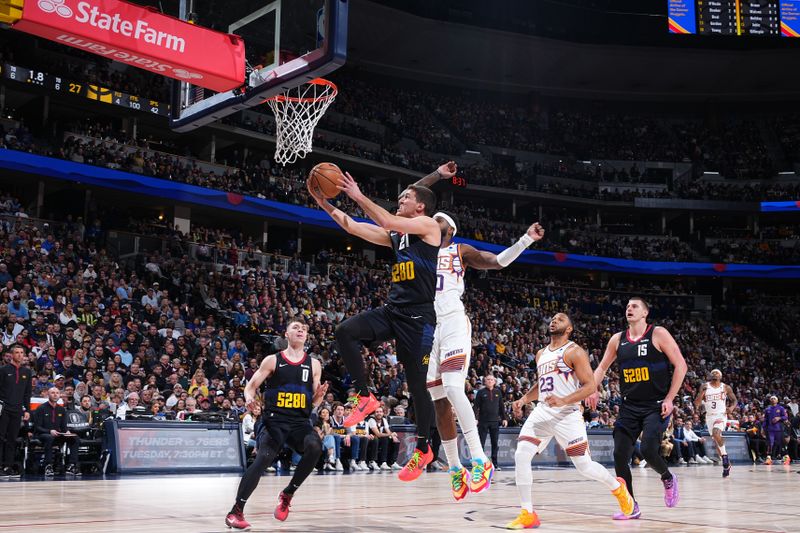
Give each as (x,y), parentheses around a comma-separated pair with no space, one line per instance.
(447,218)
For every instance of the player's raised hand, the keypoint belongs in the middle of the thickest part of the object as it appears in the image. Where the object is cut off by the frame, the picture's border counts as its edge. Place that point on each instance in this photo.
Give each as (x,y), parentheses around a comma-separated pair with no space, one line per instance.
(448,170)
(535,232)
(314,191)
(555,401)
(349,186)
(592,400)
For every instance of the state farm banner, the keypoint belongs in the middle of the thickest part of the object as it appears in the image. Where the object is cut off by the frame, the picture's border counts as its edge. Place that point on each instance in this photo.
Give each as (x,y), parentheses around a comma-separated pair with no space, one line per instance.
(141,37)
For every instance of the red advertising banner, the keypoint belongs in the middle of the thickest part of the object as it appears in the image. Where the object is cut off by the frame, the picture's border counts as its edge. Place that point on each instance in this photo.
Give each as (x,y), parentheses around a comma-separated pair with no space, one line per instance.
(141,37)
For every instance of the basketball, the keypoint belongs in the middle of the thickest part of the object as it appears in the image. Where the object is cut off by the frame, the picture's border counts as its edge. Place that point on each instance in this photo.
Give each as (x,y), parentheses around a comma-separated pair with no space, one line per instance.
(326,177)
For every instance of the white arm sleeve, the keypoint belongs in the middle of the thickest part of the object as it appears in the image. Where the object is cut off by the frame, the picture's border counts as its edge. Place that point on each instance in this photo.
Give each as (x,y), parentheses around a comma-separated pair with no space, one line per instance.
(510,254)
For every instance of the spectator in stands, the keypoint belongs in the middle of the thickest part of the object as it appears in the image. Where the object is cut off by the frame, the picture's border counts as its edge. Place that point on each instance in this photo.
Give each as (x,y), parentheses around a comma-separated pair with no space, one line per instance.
(384,447)
(191,408)
(50,428)
(131,404)
(698,443)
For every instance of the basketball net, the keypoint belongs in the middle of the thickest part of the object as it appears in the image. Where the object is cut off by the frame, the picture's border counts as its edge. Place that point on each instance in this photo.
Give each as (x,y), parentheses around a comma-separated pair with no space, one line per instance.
(297,113)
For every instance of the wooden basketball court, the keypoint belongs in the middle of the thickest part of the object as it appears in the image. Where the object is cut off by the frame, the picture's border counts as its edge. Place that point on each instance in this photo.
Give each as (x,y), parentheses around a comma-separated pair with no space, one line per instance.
(754,499)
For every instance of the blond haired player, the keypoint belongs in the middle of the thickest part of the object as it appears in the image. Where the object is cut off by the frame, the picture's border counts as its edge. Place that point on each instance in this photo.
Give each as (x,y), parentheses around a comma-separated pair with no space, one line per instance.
(452,343)
(565,378)
(719,401)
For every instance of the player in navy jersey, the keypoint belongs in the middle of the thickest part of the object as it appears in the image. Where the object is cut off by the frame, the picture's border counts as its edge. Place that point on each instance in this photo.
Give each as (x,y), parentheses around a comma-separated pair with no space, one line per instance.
(647,386)
(408,316)
(293,388)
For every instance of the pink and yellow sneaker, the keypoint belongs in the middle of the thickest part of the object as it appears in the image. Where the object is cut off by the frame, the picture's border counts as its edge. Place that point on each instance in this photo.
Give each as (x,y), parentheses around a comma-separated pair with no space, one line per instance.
(459,482)
(481,477)
(525,520)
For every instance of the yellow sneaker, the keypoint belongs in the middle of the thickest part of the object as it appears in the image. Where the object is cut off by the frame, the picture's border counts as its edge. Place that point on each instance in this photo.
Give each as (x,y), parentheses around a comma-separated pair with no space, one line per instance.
(482,472)
(623,497)
(768,461)
(525,520)
(459,482)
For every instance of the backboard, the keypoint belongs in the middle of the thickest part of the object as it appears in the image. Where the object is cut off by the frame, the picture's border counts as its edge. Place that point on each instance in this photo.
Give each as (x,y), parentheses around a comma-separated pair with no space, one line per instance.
(287,42)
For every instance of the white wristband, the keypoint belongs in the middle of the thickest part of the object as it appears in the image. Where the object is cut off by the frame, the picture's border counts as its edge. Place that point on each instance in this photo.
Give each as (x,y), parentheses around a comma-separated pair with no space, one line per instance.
(510,254)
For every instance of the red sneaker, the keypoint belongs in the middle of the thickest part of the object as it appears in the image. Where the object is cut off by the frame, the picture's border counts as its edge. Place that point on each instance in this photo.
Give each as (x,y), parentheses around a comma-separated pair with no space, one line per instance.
(416,465)
(363,406)
(282,510)
(235,520)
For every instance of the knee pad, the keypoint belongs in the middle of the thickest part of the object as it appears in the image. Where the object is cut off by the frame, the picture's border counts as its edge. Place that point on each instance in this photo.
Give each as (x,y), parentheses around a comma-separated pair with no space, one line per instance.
(650,448)
(582,463)
(267,445)
(343,331)
(453,383)
(312,444)
(525,449)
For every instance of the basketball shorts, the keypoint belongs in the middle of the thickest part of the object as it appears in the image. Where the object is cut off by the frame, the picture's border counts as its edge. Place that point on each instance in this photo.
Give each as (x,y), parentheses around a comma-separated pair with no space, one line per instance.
(716,422)
(280,430)
(641,418)
(545,423)
(411,326)
(450,352)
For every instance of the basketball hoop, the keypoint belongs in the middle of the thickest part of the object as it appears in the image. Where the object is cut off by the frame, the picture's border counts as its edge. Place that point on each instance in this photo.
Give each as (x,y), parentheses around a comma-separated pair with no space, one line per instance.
(297,113)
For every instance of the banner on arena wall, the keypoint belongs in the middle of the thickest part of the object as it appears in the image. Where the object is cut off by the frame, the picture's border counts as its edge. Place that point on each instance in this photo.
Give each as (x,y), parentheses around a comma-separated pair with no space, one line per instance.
(174,447)
(140,37)
(774,207)
(601,448)
(183,192)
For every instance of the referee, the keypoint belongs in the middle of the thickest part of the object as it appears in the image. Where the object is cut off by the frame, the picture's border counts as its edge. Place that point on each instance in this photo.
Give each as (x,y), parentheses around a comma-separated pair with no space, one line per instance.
(15,396)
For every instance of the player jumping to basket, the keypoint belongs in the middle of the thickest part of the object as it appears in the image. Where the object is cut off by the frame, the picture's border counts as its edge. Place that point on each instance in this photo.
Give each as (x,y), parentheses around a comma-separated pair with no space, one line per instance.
(564,379)
(408,316)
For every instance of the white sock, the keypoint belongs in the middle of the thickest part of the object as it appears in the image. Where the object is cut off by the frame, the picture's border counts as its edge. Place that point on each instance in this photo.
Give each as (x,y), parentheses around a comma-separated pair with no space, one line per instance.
(596,471)
(466,419)
(522,473)
(722,450)
(525,497)
(451,452)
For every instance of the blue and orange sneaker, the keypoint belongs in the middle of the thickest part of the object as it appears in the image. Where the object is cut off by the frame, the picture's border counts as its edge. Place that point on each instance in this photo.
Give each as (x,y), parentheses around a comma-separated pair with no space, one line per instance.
(416,465)
(481,476)
(459,482)
(525,520)
(363,406)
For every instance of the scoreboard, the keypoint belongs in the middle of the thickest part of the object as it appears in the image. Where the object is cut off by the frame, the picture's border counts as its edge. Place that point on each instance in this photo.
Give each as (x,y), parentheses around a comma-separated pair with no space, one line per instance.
(735,17)
(82,89)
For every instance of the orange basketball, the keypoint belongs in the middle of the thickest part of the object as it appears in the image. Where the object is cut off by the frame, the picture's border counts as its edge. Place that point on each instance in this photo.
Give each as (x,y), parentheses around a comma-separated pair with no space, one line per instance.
(326,177)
